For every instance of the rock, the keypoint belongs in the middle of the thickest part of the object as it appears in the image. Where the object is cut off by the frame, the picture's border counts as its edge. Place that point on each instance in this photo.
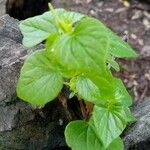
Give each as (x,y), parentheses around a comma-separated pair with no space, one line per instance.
(10,52)
(2,7)
(22,126)
(9,28)
(137,136)
(146,51)
(147,1)
(23,9)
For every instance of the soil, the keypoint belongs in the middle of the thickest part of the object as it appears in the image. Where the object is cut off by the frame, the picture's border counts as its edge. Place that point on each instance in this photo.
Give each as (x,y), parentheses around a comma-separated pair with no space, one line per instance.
(130,19)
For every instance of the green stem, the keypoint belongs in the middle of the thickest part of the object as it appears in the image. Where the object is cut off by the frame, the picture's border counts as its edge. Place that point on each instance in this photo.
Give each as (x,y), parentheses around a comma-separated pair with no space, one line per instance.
(54,13)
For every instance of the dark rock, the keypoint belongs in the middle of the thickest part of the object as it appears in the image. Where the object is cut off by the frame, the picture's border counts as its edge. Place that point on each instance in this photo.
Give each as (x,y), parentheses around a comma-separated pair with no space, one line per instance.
(9,28)
(22,126)
(2,7)
(137,136)
(23,9)
(145,1)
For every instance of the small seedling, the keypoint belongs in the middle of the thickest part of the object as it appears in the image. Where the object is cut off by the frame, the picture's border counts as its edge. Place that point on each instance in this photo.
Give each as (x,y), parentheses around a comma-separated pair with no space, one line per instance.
(81,50)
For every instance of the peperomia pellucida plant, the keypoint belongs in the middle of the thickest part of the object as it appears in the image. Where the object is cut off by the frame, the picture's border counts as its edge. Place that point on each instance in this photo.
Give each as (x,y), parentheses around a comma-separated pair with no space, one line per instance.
(79,52)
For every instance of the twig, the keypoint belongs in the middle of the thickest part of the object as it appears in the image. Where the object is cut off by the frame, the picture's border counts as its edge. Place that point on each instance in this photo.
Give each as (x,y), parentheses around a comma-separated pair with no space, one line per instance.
(63,101)
(144,93)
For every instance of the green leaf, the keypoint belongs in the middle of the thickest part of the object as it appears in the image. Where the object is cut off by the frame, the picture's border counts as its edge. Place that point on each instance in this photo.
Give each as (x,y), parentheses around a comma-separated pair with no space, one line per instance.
(94,88)
(112,63)
(101,92)
(129,117)
(120,48)
(39,81)
(72,17)
(109,122)
(84,49)
(121,93)
(67,73)
(87,89)
(81,136)
(38,28)
(117,144)
(50,40)
(104,84)
(62,69)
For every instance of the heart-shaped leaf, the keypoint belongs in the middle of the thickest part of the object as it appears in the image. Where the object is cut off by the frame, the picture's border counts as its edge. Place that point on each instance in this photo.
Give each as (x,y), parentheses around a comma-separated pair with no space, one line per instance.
(39,81)
(109,122)
(84,49)
(117,144)
(38,28)
(87,89)
(80,136)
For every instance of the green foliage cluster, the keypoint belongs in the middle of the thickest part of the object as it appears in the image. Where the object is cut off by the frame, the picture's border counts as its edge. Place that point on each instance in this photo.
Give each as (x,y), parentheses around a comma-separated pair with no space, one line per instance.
(83,50)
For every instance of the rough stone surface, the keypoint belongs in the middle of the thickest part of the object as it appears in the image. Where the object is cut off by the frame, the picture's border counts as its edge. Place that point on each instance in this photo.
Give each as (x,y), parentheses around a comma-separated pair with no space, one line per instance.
(2,7)
(22,126)
(137,136)
(10,29)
